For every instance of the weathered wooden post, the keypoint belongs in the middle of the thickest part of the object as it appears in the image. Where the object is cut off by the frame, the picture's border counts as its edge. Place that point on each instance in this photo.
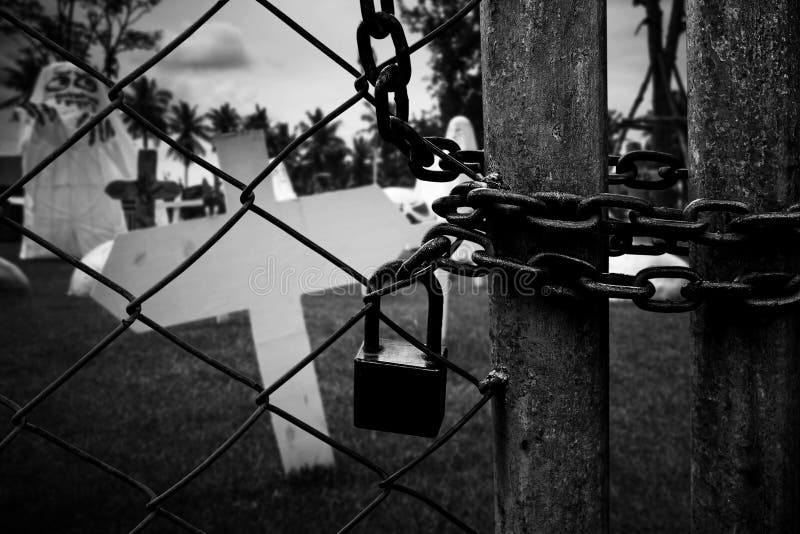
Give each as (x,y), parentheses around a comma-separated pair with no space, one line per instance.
(544,83)
(744,136)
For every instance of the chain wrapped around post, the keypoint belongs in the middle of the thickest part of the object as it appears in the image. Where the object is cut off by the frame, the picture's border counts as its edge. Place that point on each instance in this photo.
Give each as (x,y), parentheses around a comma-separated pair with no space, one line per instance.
(624,219)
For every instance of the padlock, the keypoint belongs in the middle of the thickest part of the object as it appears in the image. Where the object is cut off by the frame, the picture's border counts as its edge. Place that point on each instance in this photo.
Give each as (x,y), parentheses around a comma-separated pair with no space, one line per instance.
(397,387)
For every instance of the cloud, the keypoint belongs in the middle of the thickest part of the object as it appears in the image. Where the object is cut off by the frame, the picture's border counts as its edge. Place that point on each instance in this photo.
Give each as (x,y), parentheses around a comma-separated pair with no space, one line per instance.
(216,46)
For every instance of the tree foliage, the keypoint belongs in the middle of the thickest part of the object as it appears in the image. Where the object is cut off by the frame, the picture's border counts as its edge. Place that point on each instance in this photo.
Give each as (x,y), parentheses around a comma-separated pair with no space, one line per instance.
(361,168)
(455,60)
(21,76)
(662,50)
(224,119)
(322,159)
(111,28)
(150,101)
(258,120)
(96,31)
(189,129)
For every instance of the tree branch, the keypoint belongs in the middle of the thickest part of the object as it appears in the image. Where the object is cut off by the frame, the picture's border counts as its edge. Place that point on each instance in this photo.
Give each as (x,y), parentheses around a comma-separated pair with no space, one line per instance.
(677,25)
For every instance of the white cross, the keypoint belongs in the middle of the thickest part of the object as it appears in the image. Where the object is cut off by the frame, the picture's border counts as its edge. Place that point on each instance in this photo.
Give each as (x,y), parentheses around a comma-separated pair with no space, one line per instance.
(258,268)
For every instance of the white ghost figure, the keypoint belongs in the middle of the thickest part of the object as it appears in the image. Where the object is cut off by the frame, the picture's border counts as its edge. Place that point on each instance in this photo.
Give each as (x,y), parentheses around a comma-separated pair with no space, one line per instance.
(66,203)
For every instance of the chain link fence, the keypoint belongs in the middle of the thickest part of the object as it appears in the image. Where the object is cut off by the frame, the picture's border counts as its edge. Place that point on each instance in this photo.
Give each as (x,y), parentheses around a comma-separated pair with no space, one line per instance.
(157,505)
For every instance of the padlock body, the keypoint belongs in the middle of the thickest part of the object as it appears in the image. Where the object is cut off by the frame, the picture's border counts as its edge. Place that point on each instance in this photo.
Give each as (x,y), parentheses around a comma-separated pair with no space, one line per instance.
(398,390)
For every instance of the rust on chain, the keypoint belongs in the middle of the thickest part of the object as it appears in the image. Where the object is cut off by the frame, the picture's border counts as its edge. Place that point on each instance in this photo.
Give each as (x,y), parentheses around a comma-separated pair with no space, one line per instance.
(594,204)
(428,252)
(772,290)
(618,286)
(720,208)
(394,29)
(386,83)
(504,203)
(459,234)
(666,305)
(627,172)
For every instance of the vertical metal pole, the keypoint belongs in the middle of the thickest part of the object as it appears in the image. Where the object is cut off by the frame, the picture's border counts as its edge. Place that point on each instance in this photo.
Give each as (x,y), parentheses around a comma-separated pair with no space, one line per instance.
(744,133)
(544,87)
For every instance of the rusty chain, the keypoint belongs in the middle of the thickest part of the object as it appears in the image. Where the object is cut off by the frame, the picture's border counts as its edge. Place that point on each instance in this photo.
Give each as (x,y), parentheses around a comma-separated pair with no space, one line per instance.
(623,219)
(471,206)
(393,77)
(702,221)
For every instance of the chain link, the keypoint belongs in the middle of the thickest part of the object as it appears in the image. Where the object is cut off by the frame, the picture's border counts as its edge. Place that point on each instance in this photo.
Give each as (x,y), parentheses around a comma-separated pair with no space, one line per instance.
(393,78)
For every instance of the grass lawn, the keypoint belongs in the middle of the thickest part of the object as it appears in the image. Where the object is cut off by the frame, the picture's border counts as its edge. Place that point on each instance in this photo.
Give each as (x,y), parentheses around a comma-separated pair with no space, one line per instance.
(154,411)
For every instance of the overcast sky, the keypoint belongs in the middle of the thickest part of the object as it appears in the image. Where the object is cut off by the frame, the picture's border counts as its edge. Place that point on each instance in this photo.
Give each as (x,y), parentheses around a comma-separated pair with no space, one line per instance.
(245,55)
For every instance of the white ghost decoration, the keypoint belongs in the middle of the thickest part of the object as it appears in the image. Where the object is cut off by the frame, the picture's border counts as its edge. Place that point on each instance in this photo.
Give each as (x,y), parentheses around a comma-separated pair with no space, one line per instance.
(66,203)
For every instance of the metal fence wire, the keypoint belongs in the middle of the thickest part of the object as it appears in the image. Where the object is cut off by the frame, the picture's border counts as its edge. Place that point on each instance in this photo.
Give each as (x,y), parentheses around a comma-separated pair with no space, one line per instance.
(157,503)
(469,210)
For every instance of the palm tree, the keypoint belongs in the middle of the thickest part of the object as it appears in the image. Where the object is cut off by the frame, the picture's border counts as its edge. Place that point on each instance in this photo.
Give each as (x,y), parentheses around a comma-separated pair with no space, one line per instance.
(257,120)
(224,119)
(189,129)
(362,168)
(152,103)
(324,152)
(370,133)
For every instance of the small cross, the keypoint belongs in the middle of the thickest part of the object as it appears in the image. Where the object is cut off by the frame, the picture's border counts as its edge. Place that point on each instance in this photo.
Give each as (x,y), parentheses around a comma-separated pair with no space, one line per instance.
(143,193)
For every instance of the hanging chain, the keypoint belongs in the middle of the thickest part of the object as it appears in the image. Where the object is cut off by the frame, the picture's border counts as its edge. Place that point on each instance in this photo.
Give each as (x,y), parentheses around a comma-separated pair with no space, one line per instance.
(393,78)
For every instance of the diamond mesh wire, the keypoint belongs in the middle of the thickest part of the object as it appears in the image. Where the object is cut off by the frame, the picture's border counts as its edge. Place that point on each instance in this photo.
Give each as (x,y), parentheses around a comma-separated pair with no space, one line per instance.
(157,502)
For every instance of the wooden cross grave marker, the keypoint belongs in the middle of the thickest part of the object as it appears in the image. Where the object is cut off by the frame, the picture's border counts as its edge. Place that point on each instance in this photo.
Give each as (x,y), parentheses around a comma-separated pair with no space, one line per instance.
(259,268)
(143,192)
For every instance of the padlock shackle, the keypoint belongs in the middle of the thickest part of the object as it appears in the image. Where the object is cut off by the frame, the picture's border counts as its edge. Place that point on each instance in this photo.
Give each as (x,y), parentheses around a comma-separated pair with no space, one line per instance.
(372,323)
(385,275)
(435,312)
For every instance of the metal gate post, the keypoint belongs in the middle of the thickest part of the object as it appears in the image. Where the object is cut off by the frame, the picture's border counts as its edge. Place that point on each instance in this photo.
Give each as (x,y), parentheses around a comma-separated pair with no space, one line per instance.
(544,86)
(744,134)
